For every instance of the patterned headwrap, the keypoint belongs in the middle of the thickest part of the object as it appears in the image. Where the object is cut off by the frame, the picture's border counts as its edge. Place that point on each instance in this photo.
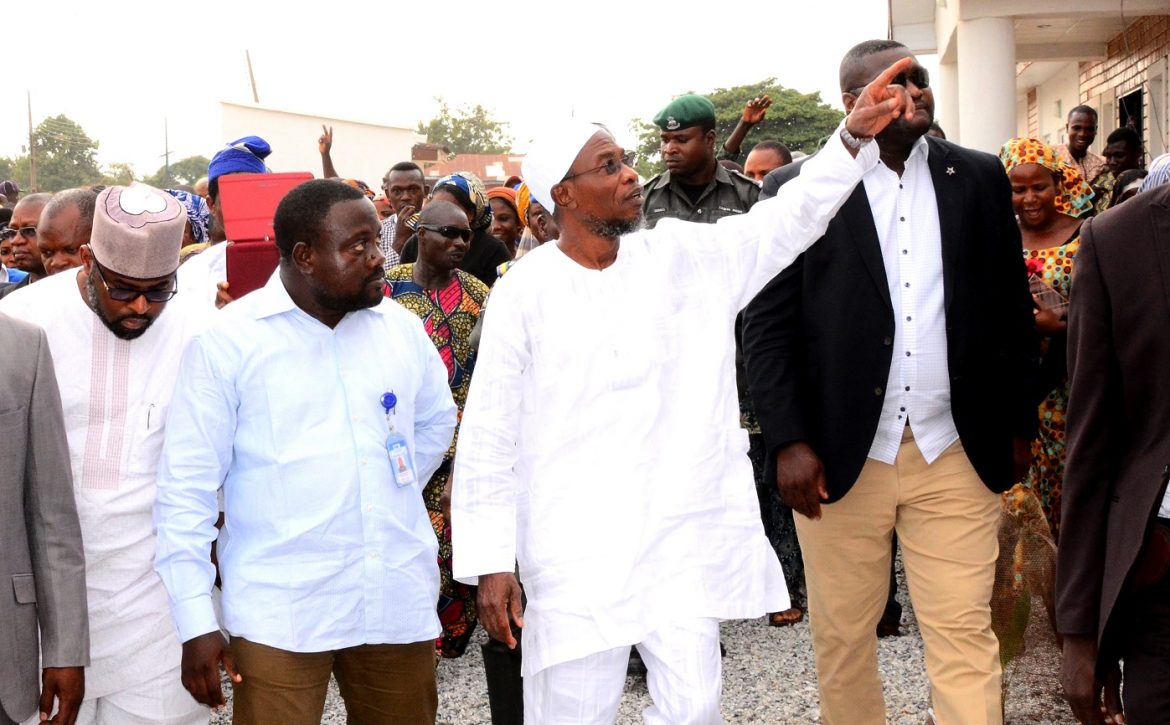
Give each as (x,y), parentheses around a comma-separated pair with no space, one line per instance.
(468,189)
(523,201)
(197,213)
(361,186)
(1073,195)
(1159,173)
(508,197)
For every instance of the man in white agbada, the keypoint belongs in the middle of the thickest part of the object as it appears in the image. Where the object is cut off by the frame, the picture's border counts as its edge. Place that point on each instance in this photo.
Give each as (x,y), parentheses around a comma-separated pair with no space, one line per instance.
(600,446)
(116,338)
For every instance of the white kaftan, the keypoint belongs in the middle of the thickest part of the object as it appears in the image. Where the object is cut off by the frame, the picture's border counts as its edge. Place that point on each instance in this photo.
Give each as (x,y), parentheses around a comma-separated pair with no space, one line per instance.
(115,394)
(600,445)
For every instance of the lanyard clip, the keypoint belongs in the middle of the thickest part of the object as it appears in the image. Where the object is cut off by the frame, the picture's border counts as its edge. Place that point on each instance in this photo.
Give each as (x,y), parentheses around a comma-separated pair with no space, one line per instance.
(389,401)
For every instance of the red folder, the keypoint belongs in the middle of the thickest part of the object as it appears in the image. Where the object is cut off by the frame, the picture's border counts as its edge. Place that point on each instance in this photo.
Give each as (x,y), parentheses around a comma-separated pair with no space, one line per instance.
(249,204)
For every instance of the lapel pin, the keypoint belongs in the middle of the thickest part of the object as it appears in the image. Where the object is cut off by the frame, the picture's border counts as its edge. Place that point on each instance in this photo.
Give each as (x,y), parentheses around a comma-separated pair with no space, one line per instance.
(950,171)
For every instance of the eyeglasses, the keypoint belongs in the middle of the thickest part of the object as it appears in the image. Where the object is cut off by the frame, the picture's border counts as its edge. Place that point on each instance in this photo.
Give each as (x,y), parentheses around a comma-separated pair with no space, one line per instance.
(918,76)
(611,166)
(124,294)
(448,231)
(29,233)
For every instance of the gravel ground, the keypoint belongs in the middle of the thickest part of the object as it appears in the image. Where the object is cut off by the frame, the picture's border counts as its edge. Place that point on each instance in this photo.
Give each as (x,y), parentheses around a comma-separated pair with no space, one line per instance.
(769,677)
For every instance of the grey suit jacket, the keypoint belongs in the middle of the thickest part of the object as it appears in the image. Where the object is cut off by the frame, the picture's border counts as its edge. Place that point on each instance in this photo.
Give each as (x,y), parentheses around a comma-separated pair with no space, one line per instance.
(1119,407)
(42,565)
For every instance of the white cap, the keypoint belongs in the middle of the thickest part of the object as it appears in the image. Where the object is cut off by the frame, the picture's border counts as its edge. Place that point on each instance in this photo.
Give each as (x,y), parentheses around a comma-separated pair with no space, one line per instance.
(551,155)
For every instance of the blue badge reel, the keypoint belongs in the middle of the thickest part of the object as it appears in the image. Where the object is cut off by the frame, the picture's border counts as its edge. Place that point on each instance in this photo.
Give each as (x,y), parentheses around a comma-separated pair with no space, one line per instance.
(401,464)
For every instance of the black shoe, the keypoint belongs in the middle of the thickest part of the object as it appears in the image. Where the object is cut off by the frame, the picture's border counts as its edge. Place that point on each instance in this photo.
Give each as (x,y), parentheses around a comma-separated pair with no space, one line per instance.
(889,628)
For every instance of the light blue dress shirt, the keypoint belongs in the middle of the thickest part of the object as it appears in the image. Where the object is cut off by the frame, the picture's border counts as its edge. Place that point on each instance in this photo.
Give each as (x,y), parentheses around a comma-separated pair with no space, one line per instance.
(320,549)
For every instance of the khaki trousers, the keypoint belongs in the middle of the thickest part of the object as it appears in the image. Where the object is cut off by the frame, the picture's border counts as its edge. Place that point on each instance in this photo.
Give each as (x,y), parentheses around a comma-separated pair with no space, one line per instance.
(946,521)
(381,684)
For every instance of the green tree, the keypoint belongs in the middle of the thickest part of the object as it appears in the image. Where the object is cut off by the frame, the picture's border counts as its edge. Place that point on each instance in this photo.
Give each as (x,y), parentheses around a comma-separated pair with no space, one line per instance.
(800,120)
(118,173)
(66,157)
(467,130)
(184,172)
(7,168)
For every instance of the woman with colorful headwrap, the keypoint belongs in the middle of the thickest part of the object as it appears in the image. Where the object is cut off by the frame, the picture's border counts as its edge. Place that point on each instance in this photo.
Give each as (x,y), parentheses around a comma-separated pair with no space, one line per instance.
(1051,199)
(485,252)
(506,222)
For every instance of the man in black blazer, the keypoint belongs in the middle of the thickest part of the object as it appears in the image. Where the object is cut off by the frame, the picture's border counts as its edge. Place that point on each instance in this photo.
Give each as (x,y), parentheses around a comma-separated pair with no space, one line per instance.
(890,367)
(1112,583)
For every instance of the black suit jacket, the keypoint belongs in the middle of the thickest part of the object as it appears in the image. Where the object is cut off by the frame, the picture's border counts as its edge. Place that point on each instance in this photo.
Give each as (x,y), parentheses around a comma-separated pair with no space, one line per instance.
(1119,406)
(818,339)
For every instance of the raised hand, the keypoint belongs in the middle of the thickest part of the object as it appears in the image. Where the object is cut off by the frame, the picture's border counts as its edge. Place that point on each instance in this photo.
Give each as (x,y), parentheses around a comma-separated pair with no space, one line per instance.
(880,103)
(755,109)
(325,140)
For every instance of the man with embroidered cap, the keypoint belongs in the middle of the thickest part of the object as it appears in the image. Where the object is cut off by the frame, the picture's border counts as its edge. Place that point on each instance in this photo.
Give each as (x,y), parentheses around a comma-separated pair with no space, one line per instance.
(694,187)
(604,392)
(114,326)
(204,273)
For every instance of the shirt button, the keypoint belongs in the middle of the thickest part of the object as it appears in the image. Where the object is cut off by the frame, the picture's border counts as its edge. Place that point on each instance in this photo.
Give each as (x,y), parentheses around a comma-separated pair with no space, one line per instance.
(907,284)
(367,460)
(905,251)
(901,218)
(369,509)
(902,409)
(907,388)
(373,555)
(907,353)
(908,318)
(877,392)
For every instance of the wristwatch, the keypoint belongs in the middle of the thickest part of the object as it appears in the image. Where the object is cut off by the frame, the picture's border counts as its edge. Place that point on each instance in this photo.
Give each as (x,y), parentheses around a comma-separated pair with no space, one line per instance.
(852,141)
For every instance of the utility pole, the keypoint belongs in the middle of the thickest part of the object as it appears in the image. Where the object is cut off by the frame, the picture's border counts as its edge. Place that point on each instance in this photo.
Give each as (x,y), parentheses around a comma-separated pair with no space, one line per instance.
(167,150)
(252,78)
(32,148)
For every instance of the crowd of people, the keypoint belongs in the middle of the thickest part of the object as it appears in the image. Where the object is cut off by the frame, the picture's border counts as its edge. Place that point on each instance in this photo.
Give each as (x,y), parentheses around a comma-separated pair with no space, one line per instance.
(904,343)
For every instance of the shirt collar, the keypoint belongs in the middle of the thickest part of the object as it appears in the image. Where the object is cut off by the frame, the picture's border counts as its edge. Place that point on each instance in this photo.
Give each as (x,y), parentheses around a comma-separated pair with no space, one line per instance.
(272,298)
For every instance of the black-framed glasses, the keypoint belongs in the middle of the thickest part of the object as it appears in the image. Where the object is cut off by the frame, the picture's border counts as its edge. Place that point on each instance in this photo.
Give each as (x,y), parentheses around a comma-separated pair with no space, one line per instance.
(125,294)
(611,166)
(29,233)
(919,76)
(448,231)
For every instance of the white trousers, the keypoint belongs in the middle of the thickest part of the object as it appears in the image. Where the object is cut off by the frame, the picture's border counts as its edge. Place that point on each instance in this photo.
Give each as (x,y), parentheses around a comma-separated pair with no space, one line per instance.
(683,672)
(160,701)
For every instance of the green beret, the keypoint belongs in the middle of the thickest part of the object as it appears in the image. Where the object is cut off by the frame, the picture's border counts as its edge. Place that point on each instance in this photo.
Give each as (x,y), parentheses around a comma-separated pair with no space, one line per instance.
(685,111)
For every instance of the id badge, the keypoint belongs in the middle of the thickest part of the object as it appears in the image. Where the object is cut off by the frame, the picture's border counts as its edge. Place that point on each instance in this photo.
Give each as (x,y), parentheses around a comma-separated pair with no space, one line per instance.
(401,464)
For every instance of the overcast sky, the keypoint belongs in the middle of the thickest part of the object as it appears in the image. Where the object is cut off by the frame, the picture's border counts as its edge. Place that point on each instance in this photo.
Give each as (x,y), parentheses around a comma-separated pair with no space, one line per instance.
(121,68)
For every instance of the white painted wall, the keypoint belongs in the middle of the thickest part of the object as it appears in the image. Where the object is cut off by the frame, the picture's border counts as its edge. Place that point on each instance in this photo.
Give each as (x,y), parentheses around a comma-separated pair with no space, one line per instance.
(1054,98)
(360,150)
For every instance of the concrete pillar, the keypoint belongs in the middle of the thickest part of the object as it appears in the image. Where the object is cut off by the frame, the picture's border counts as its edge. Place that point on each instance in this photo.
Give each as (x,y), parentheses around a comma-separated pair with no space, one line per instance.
(946,99)
(987,83)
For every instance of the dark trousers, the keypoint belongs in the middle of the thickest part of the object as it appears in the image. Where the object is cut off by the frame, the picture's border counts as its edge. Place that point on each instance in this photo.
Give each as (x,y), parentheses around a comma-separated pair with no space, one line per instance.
(501,667)
(1145,650)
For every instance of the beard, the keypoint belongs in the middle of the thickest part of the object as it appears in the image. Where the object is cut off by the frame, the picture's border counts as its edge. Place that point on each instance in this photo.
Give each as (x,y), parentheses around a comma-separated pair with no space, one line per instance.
(615,228)
(369,296)
(111,323)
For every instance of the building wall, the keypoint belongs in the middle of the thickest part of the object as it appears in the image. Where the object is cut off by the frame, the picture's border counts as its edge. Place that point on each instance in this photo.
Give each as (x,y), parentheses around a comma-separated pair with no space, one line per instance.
(360,150)
(1053,100)
(1137,59)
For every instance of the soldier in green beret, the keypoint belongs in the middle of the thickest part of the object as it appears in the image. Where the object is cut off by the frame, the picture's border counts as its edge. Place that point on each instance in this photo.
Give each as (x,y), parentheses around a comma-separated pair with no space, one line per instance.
(694,186)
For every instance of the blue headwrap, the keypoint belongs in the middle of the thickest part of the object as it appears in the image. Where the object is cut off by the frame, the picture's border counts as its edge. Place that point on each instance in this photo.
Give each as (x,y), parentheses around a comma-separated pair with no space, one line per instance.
(244,155)
(197,213)
(468,189)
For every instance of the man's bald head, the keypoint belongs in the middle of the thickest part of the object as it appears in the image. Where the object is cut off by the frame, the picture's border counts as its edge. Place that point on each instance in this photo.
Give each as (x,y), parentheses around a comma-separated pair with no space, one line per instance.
(65,225)
(441,212)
